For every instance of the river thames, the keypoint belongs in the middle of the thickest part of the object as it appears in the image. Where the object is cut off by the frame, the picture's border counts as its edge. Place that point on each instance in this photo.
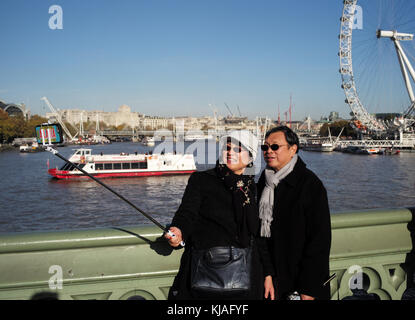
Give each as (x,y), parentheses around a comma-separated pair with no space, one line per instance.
(30,200)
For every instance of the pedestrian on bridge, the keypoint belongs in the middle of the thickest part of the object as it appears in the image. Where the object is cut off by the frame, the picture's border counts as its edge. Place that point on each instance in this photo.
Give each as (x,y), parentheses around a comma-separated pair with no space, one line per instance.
(218,220)
(295,221)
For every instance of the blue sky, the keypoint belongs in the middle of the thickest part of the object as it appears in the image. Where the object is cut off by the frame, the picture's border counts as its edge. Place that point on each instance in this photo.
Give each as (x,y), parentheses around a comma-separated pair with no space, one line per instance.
(174,57)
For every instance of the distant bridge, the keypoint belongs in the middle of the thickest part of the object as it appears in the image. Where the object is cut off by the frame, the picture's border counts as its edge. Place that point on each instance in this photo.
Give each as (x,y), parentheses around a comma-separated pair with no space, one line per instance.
(125,133)
(406,143)
(160,133)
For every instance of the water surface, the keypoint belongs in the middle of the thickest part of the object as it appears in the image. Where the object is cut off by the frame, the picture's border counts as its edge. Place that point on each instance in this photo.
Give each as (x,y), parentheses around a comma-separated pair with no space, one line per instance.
(31,200)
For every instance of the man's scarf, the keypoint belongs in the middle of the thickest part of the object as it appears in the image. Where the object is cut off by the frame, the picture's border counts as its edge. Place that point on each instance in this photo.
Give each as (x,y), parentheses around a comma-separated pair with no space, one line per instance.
(266,203)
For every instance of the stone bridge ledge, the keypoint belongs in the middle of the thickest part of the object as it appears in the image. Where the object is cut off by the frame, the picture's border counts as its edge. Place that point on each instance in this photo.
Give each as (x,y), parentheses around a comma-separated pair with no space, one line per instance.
(371,249)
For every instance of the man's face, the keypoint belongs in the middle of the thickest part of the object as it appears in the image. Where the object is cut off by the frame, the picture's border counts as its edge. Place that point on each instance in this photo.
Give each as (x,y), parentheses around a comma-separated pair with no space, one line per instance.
(279,158)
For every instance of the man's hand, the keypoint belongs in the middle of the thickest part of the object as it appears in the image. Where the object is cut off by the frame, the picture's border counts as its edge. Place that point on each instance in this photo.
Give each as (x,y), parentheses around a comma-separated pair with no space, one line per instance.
(305,297)
(269,288)
(174,241)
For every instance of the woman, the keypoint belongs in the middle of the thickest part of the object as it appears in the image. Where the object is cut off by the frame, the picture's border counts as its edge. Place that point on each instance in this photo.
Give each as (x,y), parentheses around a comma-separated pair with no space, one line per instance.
(219,210)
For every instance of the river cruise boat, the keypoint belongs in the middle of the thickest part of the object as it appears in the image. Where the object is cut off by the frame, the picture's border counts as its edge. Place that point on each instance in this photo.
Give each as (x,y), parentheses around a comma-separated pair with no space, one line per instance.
(318,145)
(124,165)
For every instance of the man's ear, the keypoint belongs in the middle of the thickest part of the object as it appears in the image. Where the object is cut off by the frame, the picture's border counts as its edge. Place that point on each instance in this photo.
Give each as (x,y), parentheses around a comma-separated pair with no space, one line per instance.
(294,147)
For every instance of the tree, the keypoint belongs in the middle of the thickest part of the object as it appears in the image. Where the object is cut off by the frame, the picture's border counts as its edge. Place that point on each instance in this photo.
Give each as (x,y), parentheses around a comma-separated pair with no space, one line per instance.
(17,126)
(336,127)
(3,115)
(31,124)
(12,127)
(121,127)
(4,126)
(206,127)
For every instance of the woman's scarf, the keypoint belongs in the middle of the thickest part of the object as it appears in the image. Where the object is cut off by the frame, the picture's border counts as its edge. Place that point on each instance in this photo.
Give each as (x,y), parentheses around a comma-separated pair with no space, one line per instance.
(243,191)
(266,203)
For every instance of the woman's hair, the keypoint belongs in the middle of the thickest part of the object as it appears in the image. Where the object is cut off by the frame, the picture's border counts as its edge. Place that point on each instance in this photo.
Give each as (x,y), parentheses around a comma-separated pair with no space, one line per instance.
(290,135)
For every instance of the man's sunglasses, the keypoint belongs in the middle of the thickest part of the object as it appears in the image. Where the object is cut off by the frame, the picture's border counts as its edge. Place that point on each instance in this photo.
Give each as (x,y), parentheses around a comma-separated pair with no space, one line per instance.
(274,147)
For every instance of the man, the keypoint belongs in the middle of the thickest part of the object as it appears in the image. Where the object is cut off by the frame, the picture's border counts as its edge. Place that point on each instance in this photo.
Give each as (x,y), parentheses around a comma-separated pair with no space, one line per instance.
(295,221)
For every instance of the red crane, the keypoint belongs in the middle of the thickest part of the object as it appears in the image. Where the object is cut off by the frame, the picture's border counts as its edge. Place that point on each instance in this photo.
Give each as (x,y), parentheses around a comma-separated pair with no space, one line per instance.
(288,111)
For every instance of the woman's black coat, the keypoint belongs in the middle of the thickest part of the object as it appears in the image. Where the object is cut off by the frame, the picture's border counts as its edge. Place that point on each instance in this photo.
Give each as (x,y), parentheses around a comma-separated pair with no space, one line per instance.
(299,246)
(206,219)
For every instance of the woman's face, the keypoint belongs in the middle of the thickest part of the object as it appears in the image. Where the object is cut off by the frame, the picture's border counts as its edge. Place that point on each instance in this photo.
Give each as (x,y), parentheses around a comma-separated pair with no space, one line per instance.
(235,157)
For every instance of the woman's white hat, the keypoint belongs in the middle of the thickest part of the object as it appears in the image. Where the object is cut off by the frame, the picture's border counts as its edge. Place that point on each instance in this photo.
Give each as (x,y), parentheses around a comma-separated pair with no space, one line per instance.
(246,138)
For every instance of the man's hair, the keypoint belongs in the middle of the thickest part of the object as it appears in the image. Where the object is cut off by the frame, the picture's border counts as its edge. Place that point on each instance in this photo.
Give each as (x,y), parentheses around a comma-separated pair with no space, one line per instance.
(290,135)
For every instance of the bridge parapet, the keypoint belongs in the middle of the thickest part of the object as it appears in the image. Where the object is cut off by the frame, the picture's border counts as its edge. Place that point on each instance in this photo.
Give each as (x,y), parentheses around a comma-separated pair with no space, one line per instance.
(371,250)
(117,263)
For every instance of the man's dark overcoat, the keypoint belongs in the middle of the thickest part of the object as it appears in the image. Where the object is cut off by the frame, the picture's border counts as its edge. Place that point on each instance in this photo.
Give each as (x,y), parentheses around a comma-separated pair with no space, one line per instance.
(299,246)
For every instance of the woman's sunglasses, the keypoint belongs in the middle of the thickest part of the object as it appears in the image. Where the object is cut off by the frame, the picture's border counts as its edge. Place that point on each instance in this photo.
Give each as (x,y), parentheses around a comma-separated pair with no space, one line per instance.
(274,147)
(235,149)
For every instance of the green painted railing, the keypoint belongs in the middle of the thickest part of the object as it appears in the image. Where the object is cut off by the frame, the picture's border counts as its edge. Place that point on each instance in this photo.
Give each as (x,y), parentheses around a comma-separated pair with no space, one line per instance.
(375,242)
(119,263)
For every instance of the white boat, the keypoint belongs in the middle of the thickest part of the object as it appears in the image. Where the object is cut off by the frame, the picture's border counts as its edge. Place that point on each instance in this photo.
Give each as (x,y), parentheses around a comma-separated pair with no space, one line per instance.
(124,165)
(101,139)
(194,137)
(148,141)
(34,147)
(318,145)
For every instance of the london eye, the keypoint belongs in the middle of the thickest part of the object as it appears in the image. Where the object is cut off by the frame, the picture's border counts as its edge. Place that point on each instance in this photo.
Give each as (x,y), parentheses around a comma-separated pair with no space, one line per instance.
(377,59)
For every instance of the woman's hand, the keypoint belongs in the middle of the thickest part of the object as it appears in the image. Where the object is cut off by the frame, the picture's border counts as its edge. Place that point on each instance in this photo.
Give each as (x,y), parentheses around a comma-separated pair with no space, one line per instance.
(269,288)
(174,241)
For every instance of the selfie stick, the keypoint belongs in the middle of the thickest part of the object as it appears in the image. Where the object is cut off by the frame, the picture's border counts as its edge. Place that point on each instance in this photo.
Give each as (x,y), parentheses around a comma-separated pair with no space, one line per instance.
(56,153)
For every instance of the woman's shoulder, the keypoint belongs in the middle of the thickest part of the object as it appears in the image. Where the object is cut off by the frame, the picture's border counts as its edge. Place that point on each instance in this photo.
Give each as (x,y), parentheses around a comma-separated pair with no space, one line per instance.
(203,175)
(207,172)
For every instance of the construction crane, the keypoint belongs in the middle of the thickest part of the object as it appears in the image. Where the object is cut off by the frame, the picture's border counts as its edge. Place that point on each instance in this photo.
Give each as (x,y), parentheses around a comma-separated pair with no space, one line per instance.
(58,117)
(229,109)
(239,111)
(215,116)
(279,118)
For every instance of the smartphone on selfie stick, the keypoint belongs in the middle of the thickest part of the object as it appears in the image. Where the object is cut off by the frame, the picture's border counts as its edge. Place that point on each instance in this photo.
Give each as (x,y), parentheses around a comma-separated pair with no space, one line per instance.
(49,134)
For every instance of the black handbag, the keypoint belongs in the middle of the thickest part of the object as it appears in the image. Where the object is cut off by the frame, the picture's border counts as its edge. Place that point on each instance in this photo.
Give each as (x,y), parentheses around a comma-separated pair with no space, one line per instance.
(221,271)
